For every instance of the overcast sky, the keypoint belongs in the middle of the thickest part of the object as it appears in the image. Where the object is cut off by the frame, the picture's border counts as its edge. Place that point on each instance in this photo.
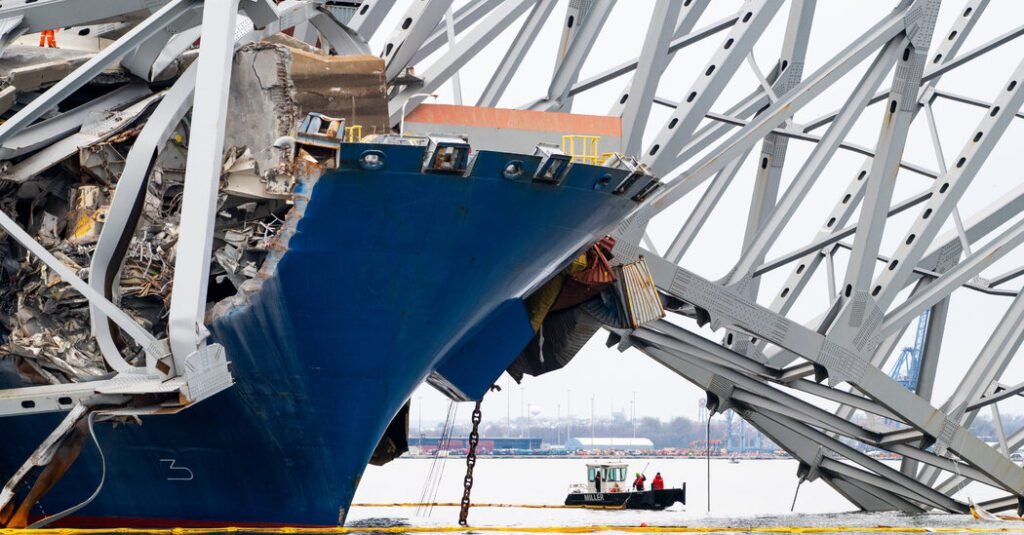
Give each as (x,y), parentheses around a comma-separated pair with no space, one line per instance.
(612,378)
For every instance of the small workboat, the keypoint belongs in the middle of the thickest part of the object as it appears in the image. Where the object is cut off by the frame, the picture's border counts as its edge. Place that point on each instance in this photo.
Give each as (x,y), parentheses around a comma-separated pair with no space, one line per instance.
(612,491)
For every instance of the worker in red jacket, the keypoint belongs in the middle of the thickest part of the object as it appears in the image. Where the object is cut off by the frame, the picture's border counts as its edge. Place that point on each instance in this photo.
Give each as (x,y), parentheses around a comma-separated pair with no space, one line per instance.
(658,483)
(638,483)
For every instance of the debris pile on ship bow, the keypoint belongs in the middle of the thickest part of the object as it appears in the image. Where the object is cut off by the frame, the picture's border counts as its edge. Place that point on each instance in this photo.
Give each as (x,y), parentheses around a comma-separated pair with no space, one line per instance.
(59,178)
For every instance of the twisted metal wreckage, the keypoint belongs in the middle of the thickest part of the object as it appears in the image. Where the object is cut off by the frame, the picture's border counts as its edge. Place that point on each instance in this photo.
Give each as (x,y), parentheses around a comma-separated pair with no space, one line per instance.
(125,218)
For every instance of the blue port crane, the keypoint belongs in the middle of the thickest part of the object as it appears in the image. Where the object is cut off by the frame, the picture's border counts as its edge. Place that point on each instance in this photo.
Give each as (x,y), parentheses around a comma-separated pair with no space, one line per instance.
(908,365)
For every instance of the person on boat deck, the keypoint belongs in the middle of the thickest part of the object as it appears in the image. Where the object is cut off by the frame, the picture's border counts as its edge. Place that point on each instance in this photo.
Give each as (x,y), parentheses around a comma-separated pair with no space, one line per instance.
(658,483)
(597,480)
(615,488)
(638,483)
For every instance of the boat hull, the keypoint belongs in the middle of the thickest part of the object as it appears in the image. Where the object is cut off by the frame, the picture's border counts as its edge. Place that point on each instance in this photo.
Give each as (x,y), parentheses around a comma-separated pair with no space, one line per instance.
(388,273)
(650,499)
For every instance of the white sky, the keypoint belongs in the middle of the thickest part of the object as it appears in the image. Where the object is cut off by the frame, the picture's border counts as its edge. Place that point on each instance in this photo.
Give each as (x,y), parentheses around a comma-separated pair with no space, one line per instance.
(610,377)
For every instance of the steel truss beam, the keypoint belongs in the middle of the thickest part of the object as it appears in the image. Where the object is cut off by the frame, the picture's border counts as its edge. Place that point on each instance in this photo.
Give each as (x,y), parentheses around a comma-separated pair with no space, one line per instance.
(578,38)
(839,356)
(464,18)
(457,56)
(202,172)
(653,61)
(414,28)
(777,112)
(774,148)
(697,101)
(756,401)
(370,16)
(516,53)
(790,65)
(63,89)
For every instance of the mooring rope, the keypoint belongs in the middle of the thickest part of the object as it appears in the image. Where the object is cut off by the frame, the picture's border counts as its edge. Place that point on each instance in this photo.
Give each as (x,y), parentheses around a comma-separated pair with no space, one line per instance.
(433,481)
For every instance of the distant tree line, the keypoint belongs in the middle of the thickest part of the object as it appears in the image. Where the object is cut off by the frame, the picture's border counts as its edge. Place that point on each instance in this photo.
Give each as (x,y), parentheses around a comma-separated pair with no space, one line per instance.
(985,428)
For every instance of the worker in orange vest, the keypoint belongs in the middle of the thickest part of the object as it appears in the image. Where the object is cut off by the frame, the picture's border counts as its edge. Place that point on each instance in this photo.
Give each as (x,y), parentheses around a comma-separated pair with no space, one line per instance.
(48,38)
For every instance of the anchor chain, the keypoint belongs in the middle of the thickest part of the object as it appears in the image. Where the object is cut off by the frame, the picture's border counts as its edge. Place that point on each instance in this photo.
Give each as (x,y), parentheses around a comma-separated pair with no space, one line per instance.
(474,438)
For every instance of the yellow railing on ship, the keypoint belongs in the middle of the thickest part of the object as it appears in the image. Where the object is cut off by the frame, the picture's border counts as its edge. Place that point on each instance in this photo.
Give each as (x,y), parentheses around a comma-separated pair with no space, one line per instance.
(353,133)
(582,149)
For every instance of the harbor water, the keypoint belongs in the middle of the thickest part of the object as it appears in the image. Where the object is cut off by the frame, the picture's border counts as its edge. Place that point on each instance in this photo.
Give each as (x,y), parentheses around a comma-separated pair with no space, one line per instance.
(744,495)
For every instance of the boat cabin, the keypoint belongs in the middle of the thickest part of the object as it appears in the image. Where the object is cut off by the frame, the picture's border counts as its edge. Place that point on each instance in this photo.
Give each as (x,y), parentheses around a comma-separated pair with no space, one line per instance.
(612,474)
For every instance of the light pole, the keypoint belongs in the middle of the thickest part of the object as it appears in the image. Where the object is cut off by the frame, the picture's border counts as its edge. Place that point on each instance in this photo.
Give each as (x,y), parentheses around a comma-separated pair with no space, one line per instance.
(558,423)
(568,415)
(401,123)
(591,421)
(522,407)
(632,410)
(632,417)
(528,409)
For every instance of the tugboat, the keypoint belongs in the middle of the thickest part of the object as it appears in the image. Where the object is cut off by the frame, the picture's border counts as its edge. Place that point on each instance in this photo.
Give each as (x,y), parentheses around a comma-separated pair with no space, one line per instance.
(614,492)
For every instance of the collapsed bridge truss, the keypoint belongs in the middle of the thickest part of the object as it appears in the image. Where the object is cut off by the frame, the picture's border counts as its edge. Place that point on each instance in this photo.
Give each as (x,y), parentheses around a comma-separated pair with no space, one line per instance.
(806,375)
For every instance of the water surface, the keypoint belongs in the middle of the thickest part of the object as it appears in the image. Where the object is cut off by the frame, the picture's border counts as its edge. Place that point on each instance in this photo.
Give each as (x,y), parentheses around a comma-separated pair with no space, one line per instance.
(752,493)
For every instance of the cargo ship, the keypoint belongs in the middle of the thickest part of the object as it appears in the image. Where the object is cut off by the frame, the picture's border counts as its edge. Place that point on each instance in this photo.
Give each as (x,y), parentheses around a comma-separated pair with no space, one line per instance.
(444,257)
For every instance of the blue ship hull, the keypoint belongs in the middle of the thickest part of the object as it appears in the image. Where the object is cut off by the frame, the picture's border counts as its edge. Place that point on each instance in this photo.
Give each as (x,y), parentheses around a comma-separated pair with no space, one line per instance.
(392,275)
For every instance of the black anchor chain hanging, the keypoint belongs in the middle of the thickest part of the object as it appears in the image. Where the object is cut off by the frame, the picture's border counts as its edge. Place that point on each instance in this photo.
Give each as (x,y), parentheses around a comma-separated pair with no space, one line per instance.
(474,439)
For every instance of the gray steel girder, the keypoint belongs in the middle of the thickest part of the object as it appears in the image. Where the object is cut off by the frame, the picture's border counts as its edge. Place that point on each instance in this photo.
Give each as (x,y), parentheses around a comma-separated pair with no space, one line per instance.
(805,443)
(776,113)
(577,41)
(515,54)
(170,12)
(698,99)
(845,360)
